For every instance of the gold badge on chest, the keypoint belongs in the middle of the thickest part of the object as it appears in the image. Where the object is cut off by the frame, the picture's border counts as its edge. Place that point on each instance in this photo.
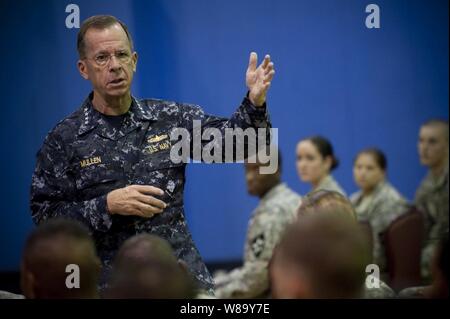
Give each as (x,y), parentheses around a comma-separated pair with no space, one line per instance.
(157,143)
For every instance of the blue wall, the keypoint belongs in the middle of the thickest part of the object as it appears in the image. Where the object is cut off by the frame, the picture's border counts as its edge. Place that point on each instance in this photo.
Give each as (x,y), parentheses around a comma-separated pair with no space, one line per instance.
(335,77)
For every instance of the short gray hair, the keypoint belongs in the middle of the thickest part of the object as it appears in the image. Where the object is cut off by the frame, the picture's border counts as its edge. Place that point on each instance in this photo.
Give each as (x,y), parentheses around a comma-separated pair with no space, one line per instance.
(99,22)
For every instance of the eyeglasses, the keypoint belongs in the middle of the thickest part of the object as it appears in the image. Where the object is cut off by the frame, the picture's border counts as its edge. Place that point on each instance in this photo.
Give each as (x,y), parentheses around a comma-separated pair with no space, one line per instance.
(102,59)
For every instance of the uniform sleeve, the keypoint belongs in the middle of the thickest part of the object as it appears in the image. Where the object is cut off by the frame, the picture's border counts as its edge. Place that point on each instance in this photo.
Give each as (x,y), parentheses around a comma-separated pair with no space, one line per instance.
(252,279)
(53,190)
(246,116)
(387,211)
(249,281)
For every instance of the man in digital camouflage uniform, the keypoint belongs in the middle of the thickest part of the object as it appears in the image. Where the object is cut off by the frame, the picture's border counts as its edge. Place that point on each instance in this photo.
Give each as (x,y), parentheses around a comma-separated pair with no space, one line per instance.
(108,164)
(432,194)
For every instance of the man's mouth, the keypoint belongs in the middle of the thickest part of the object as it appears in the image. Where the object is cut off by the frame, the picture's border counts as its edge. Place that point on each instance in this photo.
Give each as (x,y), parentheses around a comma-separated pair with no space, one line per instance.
(118,81)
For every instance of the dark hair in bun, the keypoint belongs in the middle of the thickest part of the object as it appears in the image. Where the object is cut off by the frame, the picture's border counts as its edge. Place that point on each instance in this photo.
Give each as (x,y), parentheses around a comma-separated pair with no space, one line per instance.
(325,149)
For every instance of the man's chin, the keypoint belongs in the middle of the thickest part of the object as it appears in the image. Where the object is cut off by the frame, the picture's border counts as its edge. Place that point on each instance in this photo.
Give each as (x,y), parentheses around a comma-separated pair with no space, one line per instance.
(118,92)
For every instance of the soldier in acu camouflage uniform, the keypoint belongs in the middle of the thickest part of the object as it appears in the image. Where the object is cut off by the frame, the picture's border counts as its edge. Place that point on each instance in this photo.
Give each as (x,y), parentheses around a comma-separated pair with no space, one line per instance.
(378,202)
(108,164)
(432,194)
(277,208)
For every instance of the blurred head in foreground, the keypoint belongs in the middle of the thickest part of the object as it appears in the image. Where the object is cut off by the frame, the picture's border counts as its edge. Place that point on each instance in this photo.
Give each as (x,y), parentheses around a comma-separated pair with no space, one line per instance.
(146,268)
(322,255)
(60,261)
(331,201)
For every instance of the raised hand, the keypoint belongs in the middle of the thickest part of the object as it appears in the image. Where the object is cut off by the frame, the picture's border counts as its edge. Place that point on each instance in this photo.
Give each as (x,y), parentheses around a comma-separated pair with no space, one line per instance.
(258,79)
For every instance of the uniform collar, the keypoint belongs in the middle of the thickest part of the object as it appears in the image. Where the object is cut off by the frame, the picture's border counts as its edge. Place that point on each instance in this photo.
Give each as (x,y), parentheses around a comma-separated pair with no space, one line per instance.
(91,118)
(438,181)
(380,186)
(376,190)
(273,192)
(328,180)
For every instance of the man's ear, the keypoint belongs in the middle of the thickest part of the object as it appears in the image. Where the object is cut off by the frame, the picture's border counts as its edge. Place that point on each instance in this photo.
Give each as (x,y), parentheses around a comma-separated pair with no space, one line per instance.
(82,68)
(134,58)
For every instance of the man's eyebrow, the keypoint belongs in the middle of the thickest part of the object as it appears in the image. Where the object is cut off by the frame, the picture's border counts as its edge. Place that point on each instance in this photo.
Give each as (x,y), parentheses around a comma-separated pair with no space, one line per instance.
(101,52)
(104,51)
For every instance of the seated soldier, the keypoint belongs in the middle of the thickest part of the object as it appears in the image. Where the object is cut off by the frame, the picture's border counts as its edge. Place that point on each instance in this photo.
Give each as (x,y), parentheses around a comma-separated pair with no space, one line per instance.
(432,194)
(377,202)
(276,209)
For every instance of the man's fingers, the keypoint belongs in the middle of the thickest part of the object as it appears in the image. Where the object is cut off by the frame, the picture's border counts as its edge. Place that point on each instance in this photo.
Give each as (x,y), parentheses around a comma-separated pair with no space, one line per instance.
(268,78)
(253,61)
(147,189)
(150,200)
(266,61)
(269,68)
(147,210)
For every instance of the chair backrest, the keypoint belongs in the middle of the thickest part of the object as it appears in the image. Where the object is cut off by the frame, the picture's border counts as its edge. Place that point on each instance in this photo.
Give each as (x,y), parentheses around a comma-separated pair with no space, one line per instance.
(403,244)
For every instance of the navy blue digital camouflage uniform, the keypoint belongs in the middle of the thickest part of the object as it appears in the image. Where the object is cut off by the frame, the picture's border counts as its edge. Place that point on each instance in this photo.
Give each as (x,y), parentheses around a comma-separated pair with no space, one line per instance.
(84,158)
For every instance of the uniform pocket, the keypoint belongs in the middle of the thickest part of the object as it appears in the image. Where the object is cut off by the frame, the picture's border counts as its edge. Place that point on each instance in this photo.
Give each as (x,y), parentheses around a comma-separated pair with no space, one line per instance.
(93,171)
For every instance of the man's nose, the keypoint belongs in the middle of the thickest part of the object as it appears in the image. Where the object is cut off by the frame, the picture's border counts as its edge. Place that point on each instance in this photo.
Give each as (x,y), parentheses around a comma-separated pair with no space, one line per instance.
(114,63)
